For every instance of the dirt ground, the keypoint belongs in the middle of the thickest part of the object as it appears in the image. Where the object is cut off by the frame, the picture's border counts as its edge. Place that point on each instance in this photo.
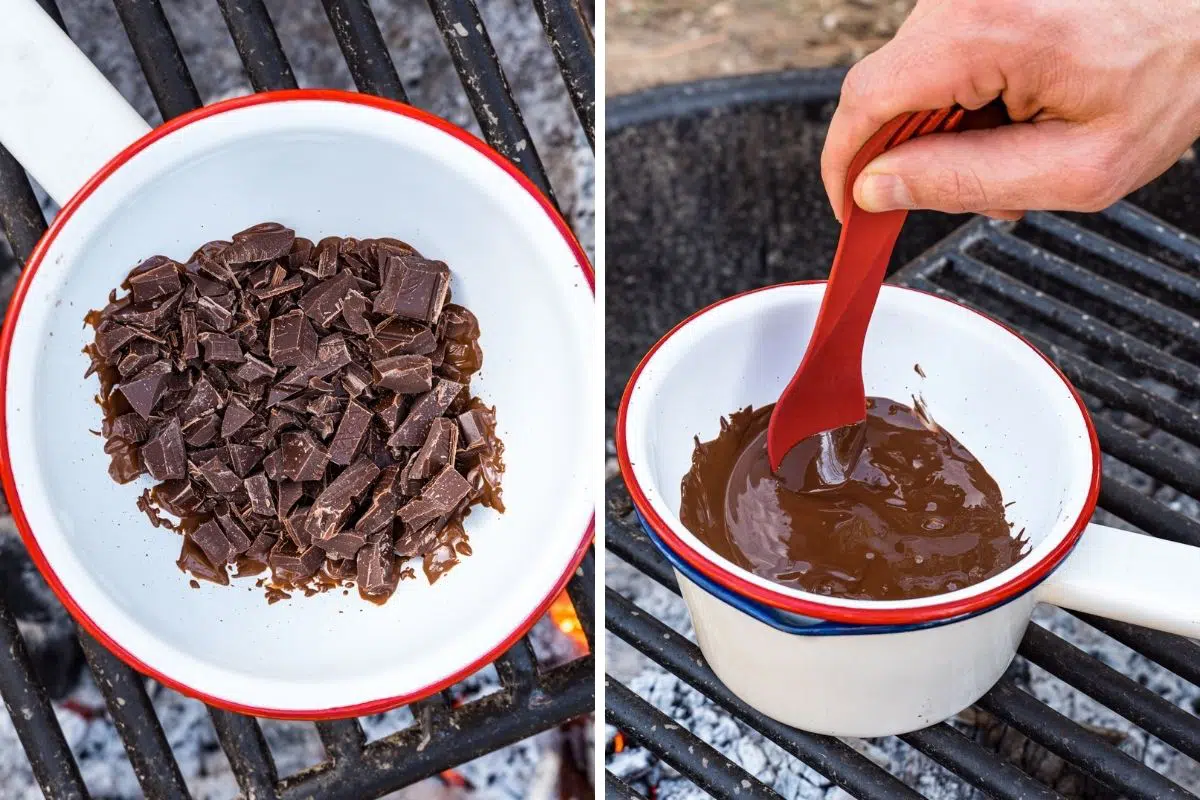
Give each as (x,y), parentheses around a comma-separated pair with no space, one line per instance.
(651,42)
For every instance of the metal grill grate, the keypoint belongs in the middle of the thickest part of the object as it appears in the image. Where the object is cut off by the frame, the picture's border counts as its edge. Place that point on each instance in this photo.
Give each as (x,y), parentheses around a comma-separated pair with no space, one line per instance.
(531,699)
(1111,298)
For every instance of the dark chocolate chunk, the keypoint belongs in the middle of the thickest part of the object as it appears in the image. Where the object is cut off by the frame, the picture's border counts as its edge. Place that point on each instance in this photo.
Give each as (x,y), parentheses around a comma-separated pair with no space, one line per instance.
(351,431)
(288,493)
(375,566)
(178,497)
(244,457)
(236,417)
(202,430)
(458,324)
(438,451)
(138,356)
(164,454)
(221,349)
(429,406)
(323,302)
(304,459)
(113,337)
(254,370)
(354,311)
(414,288)
(218,476)
(446,490)
(259,491)
(278,290)
(296,527)
(418,541)
(292,342)
(332,505)
(405,374)
(128,427)
(383,503)
(389,409)
(159,280)
(342,545)
(213,314)
(203,399)
(264,242)
(291,564)
(213,543)
(476,425)
(260,548)
(187,326)
(404,336)
(419,512)
(146,388)
(325,255)
(235,532)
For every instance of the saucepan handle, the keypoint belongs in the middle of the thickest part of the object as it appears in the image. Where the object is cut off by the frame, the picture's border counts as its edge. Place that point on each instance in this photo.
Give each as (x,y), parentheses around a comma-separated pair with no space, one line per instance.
(58,115)
(1132,578)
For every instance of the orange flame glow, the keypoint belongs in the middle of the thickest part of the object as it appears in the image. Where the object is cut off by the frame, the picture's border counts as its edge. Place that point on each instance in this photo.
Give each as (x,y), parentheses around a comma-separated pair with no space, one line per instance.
(618,742)
(562,613)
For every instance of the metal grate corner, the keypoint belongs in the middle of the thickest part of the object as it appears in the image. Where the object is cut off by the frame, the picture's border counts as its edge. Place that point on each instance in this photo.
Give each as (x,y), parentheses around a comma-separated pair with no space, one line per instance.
(531,699)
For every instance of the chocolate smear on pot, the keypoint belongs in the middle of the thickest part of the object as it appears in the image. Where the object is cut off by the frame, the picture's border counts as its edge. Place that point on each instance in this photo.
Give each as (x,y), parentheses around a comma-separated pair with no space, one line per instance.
(918,516)
(305,409)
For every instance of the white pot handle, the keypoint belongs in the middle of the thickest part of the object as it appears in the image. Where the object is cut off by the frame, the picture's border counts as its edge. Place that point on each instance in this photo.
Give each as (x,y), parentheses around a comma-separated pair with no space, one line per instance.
(58,115)
(1130,577)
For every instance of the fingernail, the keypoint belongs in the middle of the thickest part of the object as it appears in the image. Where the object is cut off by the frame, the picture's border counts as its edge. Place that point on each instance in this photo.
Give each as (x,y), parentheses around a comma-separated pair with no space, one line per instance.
(882,192)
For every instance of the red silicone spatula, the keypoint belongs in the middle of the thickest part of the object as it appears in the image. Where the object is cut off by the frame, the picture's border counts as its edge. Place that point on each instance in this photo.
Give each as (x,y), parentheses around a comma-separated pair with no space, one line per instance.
(827,391)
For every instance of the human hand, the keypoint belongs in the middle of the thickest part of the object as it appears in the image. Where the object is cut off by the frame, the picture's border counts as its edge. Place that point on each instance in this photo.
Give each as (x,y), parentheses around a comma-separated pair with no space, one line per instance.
(1104,97)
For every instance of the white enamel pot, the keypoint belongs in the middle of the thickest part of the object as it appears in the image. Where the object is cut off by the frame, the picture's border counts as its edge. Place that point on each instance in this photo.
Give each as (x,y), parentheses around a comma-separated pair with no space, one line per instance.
(323,163)
(873,668)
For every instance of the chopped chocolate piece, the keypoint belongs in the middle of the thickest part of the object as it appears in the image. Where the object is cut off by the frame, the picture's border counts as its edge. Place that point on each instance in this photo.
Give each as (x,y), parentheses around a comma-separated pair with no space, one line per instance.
(151,320)
(152,282)
(127,427)
(296,528)
(280,393)
(218,476)
(446,490)
(326,254)
(461,360)
(259,491)
(235,532)
(375,566)
(244,457)
(293,342)
(221,349)
(236,417)
(187,325)
(331,506)
(260,548)
(418,541)
(389,409)
(354,310)
(213,314)
(404,374)
(413,287)
(405,336)
(383,503)
(304,459)
(477,425)
(204,456)
(432,404)
(351,431)
(264,242)
(278,290)
(164,454)
(419,512)
(113,338)
(203,399)
(146,388)
(178,497)
(202,430)
(323,425)
(288,494)
(213,543)
(440,447)
(137,356)
(342,545)
(458,324)
(323,302)
(280,419)
(291,564)
(299,254)
(356,380)
(254,370)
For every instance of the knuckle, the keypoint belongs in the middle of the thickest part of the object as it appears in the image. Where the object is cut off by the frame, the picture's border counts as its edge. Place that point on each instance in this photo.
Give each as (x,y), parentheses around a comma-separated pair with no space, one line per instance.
(957,191)
(858,84)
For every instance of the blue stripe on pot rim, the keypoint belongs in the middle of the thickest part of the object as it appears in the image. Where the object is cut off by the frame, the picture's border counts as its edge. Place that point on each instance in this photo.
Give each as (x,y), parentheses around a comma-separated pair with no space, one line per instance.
(796,624)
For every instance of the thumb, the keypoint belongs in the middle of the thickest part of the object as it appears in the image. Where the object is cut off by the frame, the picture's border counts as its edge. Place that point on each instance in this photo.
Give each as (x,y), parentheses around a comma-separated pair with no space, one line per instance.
(1050,164)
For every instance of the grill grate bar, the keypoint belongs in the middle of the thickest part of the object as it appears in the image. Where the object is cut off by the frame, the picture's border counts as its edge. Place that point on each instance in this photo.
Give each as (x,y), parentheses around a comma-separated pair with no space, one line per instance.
(343,739)
(1154,230)
(574,48)
(1095,286)
(1176,653)
(158,54)
(982,767)
(677,746)
(131,710)
(20,214)
(1064,738)
(362,45)
(518,670)
(826,754)
(617,789)
(1122,393)
(1123,695)
(487,89)
(34,720)
(258,44)
(1150,458)
(581,590)
(248,754)
(1130,261)
(476,728)
(1076,323)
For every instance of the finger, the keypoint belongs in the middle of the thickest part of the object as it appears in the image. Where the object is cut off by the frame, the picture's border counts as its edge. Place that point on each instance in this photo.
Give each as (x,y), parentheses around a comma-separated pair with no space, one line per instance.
(920,69)
(1006,216)
(1044,165)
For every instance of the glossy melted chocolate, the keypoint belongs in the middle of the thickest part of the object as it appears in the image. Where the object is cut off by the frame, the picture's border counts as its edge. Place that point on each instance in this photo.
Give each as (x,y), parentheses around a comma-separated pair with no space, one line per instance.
(917,516)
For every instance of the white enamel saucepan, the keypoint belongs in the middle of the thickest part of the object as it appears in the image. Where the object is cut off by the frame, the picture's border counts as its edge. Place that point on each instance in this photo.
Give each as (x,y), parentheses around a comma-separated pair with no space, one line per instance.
(323,163)
(871,668)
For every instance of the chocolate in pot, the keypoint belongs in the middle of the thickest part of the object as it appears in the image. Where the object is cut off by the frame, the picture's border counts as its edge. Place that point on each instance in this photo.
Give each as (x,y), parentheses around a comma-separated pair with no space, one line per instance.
(304,409)
(919,515)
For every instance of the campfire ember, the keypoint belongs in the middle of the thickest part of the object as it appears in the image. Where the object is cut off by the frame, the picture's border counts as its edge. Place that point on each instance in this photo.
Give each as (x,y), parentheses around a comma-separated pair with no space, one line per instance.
(562,612)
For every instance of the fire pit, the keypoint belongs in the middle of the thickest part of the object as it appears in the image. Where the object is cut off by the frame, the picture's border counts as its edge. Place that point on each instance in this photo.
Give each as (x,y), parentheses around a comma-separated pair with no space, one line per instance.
(714,188)
(173,746)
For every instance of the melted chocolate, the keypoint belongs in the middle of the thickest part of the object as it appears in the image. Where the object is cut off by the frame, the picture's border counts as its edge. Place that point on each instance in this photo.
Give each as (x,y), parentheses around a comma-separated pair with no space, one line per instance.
(917,516)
